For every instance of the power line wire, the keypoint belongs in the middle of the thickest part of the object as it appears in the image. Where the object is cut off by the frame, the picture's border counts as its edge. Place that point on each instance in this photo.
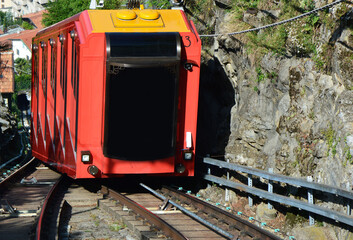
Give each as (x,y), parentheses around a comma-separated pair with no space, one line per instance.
(274,24)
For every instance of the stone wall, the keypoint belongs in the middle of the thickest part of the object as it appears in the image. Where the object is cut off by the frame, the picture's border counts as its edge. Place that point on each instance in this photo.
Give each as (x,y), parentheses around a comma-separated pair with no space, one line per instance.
(297,119)
(281,111)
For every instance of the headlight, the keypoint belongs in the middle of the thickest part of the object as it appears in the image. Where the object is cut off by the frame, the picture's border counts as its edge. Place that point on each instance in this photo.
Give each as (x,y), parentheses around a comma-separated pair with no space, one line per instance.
(187,154)
(179,168)
(86,157)
(93,170)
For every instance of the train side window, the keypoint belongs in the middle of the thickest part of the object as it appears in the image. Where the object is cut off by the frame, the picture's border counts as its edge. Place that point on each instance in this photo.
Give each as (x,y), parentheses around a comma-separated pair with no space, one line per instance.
(62,39)
(35,69)
(36,79)
(53,50)
(73,51)
(74,63)
(77,69)
(44,68)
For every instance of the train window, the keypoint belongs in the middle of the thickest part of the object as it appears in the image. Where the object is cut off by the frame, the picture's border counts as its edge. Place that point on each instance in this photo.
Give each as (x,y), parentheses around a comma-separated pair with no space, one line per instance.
(36,78)
(53,50)
(35,68)
(62,39)
(44,81)
(74,63)
(143,44)
(77,71)
(75,75)
(44,68)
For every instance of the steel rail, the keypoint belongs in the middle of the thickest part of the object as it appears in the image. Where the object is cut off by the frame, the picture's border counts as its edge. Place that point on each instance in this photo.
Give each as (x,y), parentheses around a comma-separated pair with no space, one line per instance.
(284,200)
(280,178)
(152,218)
(193,215)
(41,230)
(17,173)
(224,216)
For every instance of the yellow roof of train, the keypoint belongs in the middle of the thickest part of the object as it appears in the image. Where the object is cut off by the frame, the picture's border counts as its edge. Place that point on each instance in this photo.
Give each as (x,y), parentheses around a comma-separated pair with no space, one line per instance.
(137,21)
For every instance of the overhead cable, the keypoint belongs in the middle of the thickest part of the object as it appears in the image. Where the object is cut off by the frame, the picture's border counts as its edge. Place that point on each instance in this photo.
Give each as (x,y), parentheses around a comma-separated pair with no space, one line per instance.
(275,24)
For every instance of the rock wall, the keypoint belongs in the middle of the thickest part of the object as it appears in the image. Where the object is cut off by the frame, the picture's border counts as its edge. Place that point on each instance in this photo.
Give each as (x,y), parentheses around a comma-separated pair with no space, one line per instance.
(289,109)
(297,118)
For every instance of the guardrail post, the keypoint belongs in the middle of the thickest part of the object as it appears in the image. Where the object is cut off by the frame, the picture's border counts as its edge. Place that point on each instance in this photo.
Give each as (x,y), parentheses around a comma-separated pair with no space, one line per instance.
(348,187)
(310,200)
(226,197)
(209,173)
(270,189)
(250,185)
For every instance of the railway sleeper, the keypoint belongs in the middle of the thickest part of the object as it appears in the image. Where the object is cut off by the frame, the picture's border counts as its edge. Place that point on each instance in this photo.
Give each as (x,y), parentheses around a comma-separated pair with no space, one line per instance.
(6,207)
(141,227)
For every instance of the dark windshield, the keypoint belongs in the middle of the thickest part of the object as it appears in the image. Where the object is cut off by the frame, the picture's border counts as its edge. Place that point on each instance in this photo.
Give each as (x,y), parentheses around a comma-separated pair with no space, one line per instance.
(143,44)
(140,117)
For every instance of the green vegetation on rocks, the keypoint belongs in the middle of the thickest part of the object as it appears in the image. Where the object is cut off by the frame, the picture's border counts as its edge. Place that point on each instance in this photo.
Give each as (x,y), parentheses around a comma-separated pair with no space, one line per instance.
(297,38)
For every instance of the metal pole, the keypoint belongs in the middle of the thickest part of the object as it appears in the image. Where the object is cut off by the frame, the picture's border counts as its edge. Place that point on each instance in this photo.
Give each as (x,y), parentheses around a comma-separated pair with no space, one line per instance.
(310,200)
(270,188)
(226,197)
(250,185)
(348,201)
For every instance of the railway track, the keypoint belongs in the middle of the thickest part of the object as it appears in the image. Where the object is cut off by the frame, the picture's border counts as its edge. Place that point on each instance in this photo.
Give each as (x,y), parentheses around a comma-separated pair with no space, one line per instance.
(12,165)
(22,194)
(38,203)
(172,214)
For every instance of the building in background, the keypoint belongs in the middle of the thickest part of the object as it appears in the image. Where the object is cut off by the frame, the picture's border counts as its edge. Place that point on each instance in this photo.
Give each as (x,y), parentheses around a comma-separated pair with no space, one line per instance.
(21,41)
(19,46)
(23,7)
(5,5)
(7,78)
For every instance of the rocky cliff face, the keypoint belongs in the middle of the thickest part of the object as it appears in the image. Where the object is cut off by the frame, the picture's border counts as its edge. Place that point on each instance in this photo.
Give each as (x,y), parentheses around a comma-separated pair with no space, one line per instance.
(291,111)
(279,98)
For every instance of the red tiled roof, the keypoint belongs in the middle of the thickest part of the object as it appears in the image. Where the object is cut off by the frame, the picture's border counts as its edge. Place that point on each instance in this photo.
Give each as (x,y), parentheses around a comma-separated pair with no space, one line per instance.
(36,18)
(27,35)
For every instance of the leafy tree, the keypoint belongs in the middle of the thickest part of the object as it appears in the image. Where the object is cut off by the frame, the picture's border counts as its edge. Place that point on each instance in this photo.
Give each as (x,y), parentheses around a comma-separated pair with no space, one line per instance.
(112,4)
(159,4)
(8,21)
(23,74)
(61,9)
(27,25)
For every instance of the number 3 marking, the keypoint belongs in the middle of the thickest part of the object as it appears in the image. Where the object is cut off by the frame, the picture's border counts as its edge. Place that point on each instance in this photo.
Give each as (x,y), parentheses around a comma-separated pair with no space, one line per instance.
(187,39)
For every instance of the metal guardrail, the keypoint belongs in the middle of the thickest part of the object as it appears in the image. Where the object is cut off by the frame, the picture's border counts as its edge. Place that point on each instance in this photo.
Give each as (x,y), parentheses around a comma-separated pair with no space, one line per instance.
(308,206)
